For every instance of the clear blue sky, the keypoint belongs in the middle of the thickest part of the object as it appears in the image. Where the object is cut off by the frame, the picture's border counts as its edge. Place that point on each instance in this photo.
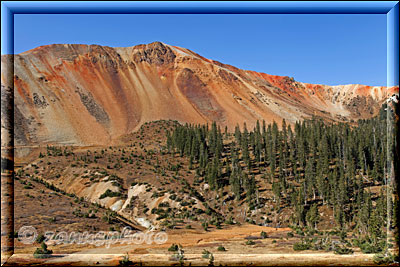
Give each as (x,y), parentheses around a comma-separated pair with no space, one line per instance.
(322,49)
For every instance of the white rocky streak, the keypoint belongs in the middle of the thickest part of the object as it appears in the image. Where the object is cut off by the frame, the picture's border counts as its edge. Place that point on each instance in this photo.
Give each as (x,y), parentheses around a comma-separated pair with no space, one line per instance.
(143,222)
(117,205)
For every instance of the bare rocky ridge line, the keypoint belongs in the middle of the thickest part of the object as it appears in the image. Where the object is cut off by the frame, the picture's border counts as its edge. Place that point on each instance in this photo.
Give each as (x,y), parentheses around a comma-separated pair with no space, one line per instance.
(91,94)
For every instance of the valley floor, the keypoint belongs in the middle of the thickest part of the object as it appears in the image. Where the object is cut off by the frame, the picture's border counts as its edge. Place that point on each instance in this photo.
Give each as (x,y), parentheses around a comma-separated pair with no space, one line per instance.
(76,189)
(276,250)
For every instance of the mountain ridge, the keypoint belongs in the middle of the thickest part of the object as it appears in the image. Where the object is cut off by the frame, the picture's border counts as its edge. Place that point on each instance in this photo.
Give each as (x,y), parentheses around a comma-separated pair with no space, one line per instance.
(92,94)
(37,49)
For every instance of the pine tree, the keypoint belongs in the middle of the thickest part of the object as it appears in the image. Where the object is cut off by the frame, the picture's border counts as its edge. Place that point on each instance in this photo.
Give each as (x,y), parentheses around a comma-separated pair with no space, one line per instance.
(299,207)
(276,189)
(250,188)
(238,135)
(235,180)
(312,216)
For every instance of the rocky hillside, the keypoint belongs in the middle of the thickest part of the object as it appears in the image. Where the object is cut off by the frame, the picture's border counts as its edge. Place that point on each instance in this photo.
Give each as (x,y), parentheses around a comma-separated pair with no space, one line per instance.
(91,94)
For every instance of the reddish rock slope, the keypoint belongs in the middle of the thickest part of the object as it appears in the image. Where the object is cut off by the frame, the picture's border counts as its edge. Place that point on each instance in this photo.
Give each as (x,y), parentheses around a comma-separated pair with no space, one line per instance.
(90,94)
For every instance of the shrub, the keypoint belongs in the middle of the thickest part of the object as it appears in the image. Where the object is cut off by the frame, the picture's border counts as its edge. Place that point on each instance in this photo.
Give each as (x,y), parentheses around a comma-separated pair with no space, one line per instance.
(263,234)
(367,247)
(163,204)
(343,250)
(382,258)
(301,246)
(250,242)
(205,226)
(125,261)
(40,238)
(43,252)
(206,254)
(173,247)
(179,255)
(342,235)
(109,193)
(229,220)
(221,248)
(299,232)
(211,263)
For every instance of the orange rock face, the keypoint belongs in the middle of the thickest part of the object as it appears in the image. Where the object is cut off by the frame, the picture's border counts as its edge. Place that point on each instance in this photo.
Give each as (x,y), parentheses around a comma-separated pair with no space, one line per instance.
(90,94)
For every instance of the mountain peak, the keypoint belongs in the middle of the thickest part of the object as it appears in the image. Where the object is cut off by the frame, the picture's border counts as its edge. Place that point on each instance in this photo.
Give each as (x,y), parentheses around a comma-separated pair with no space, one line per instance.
(156,52)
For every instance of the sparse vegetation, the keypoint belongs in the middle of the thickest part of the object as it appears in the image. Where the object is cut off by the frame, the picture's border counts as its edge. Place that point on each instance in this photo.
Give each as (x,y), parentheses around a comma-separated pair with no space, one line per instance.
(109,193)
(250,242)
(342,250)
(264,234)
(302,245)
(206,254)
(385,258)
(40,238)
(125,261)
(179,255)
(302,175)
(173,247)
(221,248)
(42,252)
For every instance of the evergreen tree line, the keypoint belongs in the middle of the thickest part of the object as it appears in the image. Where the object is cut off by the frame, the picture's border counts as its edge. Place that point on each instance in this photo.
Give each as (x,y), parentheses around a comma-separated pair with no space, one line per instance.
(310,164)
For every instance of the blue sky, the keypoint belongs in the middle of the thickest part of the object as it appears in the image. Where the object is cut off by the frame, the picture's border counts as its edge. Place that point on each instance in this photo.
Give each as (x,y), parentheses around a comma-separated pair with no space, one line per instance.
(322,49)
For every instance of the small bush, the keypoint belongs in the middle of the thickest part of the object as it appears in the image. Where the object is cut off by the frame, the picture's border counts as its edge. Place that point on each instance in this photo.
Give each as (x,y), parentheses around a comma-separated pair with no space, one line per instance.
(173,247)
(229,221)
(125,261)
(109,193)
(367,247)
(343,250)
(206,254)
(299,232)
(250,242)
(381,258)
(301,246)
(263,234)
(43,252)
(40,238)
(205,226)
(221,248)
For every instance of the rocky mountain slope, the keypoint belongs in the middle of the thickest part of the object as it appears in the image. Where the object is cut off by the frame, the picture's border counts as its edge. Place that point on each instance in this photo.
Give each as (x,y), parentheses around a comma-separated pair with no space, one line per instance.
(91,94)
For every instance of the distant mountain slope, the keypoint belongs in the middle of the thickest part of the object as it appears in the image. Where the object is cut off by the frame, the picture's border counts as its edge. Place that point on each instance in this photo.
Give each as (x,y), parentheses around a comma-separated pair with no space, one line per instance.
(91,94)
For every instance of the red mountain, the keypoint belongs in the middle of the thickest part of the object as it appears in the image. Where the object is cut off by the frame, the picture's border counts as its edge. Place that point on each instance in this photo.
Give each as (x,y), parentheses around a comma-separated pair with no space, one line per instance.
(91,94)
